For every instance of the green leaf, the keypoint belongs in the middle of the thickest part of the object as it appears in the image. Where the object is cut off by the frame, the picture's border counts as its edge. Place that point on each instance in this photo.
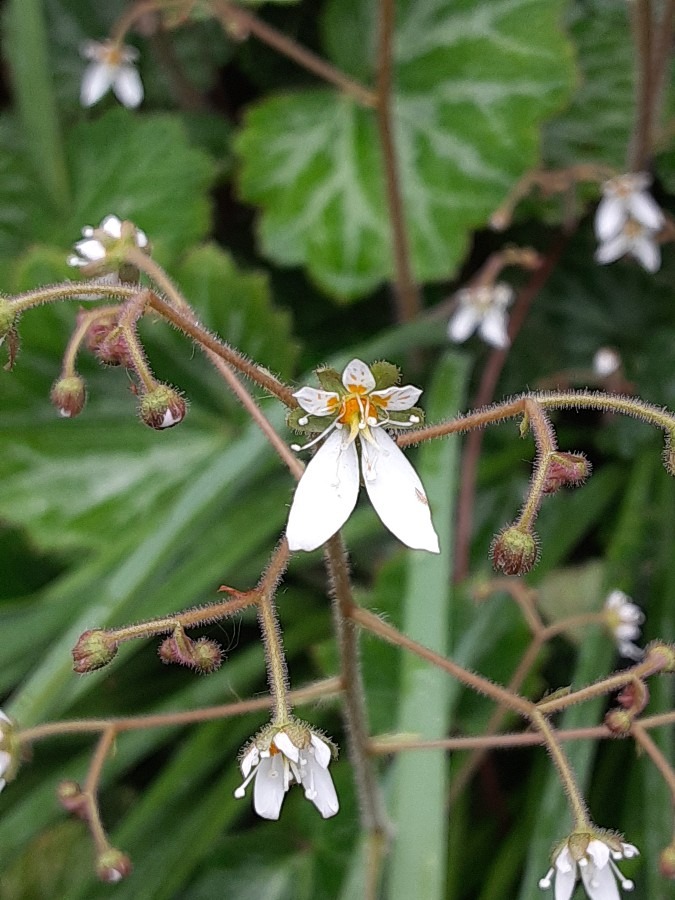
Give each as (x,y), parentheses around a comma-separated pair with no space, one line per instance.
(141,169)
(472,86)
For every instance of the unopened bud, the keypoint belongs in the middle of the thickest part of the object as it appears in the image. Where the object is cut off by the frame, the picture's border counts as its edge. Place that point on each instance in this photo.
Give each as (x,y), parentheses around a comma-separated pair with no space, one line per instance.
(661,654)
(634,696)
(69,395)
(93,650)
(667,861)
(207,655)
(72,799)
(564,469)
(204,655)
(112,866)
(619,721)
(514,551)
(108,344)
(162,407)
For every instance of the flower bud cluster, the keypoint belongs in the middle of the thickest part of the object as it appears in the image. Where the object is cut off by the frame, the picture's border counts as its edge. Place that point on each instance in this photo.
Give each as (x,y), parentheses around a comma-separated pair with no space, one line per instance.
(203,655)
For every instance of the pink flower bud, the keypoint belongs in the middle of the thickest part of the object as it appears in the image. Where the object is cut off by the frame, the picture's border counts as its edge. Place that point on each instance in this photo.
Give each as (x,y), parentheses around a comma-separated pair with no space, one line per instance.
(619,722)
(93,650)
(162,407)
(72,799)
(564,469)
(69,395)
(108,344)
(514,551)
(112,866)
(207,655)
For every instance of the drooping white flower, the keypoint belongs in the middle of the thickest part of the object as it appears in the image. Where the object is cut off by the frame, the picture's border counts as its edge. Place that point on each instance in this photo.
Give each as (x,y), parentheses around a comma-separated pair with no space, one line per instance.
(483,308)
(624,619)
(606,361)
(96,242)
(328,489)
(635,240)
(593,860)
(111,66)
(623,198)
(280,757)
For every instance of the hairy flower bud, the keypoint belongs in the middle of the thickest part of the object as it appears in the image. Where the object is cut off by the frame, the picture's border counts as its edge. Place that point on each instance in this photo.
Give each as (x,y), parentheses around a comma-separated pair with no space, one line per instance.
(112,866)
(667,862)
(514,551)
(619,721)
(93,650)
(564,469)
(204,655)
(662,654)
(207,655)
(108,344)
(72,799)
(69,395)
(162,407)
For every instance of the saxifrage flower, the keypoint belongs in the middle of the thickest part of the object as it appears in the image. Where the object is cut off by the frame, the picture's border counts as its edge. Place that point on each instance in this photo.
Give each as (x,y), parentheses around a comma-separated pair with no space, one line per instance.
(360,405)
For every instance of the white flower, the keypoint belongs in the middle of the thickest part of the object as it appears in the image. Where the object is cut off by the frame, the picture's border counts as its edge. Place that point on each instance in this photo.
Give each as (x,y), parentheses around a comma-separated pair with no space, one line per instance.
(93,247)
(6,757)
(606,361)
(328,489)
(281,761)
(624,619)
(623,198)
(635,240)
(592,859)
(111,66)
(483,308)
(627,221)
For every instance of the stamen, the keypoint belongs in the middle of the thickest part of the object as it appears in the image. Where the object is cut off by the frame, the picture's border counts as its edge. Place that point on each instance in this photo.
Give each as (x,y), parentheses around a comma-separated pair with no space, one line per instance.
(545,882)
(241,790)
(324,433)
(304,420)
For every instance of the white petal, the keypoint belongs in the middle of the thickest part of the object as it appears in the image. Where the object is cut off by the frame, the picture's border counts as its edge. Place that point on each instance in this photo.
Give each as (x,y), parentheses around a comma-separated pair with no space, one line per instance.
(2,783)
(493,328)
(317,402)
(599,853)
(252,758)
(564,861)
(396,492)
(630,651)
(90,249)
(610,217)
(646,210)
(612,249)
(600,883)
(96,81)
(627,632)
(358,375)
(564,883)
(399,398)
(326,494)
(5,761)
(462,323)
(319,788)
(616,599)
(282,742)
(112,226)
(127,86)
(322,752)
(141,238)
(647,252)
(628,851)
(268,790)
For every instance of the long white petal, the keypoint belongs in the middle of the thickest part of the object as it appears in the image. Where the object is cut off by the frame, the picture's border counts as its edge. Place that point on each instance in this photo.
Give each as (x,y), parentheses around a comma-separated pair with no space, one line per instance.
(398,398)
(127,86)
(316,402)
(90,249)
(268,790)
(612,249)
(326,494)
(319,788)
(396,492)
(647,252)
(610,217)
(564,883)
(357,375)
(600,883)
(96,81)
(462,324)
(493,328)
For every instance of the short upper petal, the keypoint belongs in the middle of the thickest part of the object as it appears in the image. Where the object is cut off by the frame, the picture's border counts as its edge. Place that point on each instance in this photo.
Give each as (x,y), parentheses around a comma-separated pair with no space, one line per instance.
(316,402)
(282,742)
(610,217)
(462,323)
(127,86)
(112,226)
(268,790)
(398,398)
(96,81)
(494,328)
(322,752)
(325,495)
(90,249)
(646,210)
(357,377)
(396,492)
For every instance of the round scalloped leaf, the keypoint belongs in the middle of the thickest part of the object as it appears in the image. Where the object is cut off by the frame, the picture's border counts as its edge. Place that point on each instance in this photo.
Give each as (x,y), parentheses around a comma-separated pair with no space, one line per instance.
(473,83)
